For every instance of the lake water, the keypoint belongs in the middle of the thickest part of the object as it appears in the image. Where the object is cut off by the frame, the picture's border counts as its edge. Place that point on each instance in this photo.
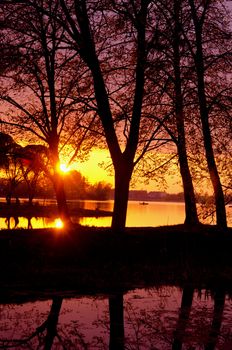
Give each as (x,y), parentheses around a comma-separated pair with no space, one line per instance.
(152,214)
(161,318)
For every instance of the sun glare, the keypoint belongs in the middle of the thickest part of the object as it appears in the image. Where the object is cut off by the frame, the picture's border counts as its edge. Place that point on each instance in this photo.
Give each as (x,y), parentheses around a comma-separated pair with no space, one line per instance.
(64,168)
(59,223)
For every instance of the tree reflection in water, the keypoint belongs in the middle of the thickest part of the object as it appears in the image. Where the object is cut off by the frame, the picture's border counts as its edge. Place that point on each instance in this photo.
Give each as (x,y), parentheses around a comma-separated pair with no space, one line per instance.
(116,322)
(219,303)
(139,320)
(186,305)
(44,334)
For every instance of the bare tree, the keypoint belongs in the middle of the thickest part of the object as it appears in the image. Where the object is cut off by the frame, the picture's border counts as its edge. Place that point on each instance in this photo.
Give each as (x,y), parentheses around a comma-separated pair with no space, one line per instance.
(209,31)
(169,72)
(85,25)
(42,91)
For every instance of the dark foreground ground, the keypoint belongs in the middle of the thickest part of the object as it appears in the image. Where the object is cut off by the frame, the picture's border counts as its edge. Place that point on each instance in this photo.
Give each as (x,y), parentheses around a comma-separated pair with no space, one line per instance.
(93,260)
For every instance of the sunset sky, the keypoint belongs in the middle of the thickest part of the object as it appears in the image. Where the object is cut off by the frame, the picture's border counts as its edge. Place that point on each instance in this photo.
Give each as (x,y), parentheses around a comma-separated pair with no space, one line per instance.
(93,170)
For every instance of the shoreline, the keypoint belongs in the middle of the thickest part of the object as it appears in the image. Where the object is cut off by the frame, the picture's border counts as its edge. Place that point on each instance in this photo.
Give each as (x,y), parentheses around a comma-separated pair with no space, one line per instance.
(88,260)
(24,210)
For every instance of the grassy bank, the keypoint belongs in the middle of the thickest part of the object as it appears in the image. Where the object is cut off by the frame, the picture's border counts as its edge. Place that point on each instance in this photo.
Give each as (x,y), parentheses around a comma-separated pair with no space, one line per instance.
(92,260)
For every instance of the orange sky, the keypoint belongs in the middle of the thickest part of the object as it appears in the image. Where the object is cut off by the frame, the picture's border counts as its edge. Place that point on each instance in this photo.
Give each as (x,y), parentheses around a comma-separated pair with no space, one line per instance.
(95,173)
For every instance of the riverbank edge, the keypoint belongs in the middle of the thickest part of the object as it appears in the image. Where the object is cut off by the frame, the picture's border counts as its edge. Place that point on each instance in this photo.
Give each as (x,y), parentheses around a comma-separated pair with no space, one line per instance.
(47,211)
(89,260)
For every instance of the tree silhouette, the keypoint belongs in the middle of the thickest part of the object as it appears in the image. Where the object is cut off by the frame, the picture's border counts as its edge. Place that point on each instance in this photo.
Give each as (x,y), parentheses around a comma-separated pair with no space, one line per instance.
(46,107)
(169,78)
(201,14)
(10,163)
(35,163)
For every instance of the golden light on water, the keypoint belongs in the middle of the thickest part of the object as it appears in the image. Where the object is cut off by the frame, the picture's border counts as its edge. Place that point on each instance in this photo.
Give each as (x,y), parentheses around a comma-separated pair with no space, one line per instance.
(59,223)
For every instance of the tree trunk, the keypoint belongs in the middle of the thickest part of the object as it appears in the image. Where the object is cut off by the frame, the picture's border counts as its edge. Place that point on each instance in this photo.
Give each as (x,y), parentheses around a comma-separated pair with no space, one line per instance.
(191,217)
(116,322)
(30,198)
(122,161)
(58,184)
(212,167)
(61,198)
(204,114)
(121,195)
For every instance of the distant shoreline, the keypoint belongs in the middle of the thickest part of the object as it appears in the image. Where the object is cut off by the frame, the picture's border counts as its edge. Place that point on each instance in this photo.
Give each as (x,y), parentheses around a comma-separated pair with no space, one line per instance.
(37,210)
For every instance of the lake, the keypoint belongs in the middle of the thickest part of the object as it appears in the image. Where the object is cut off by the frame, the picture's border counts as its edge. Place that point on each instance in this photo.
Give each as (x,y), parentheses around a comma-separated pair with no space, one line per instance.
(161,318)
(150,214)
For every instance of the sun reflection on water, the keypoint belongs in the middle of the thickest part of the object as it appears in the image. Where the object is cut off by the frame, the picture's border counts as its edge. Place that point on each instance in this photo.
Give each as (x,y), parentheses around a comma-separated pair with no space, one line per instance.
(29,223)
(59,223)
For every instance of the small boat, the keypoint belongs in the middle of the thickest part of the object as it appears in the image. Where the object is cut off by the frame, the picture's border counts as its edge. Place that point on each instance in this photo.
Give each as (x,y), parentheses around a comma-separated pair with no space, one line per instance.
(143,203)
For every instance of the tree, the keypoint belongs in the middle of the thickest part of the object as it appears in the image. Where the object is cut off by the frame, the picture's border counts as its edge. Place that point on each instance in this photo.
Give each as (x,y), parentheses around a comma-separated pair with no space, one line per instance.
(6,144)
(208,13)
(85,26)
(168,77)
(45,106)
(10,164)
(34,164)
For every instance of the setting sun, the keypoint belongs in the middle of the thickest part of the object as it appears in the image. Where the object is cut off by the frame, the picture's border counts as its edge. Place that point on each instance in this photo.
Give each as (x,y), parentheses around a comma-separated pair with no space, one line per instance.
(64,168)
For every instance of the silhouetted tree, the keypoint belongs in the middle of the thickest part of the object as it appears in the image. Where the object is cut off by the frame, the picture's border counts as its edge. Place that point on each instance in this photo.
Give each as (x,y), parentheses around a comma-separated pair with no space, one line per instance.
(34,164)
(46,105)
(208,26)
(168,71)
(84,24)
(10,164)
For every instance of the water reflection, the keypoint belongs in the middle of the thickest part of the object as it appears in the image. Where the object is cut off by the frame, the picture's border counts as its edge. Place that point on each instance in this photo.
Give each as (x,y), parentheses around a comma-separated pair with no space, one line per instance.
(29,222)
(153,214)
(164,318)
(186,305)
(116,322)
(219,303)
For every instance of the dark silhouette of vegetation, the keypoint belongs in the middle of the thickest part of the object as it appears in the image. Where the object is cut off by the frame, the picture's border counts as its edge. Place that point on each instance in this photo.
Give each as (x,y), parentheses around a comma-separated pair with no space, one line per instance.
(43,74)
(200,15)
(26,172)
